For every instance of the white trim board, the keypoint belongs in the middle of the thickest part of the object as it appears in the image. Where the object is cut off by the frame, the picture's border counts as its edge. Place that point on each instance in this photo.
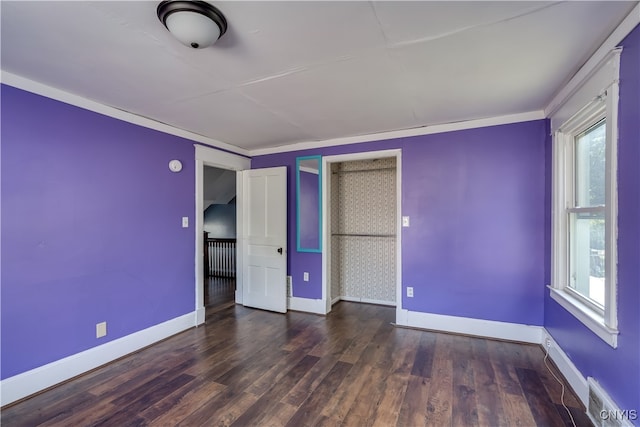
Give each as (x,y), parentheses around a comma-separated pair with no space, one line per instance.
(207,156)
(481,328)
(316,306)
(584,98)
(504,331)
(126,116)
(404,133)
(364,300)
(469,326)
(43,377)
(87,104)
(221,159)
(626,26)
(583,314)
(575,378)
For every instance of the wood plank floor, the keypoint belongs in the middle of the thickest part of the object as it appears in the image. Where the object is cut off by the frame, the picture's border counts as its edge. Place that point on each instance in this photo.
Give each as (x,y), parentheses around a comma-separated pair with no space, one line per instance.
(218,291)
(249,367)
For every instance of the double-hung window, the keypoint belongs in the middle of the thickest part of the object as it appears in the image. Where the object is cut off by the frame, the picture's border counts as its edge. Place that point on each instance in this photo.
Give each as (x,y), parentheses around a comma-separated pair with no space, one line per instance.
(585,204)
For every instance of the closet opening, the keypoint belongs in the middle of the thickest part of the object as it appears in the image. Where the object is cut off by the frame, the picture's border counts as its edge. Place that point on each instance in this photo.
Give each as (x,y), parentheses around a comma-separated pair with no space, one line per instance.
(362,228)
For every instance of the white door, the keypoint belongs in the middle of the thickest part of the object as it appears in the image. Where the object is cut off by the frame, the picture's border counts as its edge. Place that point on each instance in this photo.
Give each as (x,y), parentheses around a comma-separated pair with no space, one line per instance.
(265,239)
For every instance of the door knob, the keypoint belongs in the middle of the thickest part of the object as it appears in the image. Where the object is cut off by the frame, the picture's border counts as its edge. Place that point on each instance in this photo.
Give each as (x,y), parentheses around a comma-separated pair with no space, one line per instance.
(280,251)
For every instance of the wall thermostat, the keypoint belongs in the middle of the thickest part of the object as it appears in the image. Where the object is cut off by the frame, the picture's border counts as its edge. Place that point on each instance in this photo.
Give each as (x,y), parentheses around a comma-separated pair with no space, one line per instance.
(175,165)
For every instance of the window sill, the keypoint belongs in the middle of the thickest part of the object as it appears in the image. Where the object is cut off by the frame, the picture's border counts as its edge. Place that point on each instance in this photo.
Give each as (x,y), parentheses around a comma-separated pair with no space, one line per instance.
(584,314)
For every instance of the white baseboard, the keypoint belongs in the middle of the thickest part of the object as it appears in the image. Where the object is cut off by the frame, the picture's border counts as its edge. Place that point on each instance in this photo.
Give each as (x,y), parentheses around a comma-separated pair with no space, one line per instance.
(500,330)
(317,306)
(366,300)
(469,326)
(576,380)
(200,315)
(38,379)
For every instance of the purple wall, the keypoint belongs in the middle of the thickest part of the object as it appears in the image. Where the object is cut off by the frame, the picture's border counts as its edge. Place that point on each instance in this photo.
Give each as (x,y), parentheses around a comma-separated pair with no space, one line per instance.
(91,229)
(476,199)
(476,243)
(617,370)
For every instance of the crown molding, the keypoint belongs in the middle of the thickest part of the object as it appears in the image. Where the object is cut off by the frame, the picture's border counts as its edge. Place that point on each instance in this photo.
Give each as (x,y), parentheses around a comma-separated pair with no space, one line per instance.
(87,104)
(404,133)
(563,94)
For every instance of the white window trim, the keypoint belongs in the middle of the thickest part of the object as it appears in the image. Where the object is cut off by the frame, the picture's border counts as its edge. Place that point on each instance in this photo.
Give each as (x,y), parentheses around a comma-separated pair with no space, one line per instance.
(604,104)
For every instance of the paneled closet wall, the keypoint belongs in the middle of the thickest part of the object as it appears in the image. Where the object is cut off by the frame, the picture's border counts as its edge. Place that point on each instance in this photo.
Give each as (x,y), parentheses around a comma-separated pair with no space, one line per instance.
(363,231)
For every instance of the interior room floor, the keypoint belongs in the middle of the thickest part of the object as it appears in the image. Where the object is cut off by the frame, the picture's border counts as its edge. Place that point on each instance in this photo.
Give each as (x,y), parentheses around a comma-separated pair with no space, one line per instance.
(249,367)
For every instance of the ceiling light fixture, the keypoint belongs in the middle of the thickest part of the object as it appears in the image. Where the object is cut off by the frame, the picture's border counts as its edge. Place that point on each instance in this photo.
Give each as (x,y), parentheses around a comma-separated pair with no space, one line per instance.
(195,24)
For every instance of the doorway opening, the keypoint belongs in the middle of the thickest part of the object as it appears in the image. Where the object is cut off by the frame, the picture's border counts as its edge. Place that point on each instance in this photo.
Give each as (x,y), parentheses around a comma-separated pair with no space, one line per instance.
(363,232)
(219,237)
(232,164)
(362,228)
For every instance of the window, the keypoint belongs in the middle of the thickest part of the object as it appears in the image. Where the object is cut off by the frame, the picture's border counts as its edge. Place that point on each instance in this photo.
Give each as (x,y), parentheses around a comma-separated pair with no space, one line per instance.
(586,217)
(585,212)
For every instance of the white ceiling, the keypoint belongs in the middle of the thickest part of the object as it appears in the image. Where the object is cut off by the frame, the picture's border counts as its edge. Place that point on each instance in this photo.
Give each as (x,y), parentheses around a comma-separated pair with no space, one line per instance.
(288,72)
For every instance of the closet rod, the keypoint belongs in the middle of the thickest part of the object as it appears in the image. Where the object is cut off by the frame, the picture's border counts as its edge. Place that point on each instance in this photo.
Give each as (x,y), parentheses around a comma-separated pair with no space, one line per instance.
(363,170)
(362,235)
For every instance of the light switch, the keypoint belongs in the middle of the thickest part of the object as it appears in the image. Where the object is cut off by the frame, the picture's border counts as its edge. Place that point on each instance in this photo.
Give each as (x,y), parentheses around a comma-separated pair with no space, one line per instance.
(185,222)
(305,276)
(405,221)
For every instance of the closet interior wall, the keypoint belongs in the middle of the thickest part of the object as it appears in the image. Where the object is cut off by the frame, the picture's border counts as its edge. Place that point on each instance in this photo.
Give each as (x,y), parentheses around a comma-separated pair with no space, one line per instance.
(363,231)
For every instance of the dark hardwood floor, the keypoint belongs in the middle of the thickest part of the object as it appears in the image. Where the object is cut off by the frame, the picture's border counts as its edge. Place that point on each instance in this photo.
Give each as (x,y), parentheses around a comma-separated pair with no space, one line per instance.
(219,292)
(249,367)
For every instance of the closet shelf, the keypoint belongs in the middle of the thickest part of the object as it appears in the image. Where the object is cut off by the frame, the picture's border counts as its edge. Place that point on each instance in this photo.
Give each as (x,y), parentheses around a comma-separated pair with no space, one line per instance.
(362,235)
(362,170)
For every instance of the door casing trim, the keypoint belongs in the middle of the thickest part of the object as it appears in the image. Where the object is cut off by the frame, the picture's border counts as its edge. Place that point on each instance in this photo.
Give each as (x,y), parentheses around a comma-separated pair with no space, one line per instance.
(206,156)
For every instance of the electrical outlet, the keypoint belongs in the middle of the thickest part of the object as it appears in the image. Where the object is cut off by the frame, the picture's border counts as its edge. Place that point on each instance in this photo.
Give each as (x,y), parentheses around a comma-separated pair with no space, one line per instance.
(547,342)
(410,291)
(305,276)
(185,222)
(101,329)
(289,291)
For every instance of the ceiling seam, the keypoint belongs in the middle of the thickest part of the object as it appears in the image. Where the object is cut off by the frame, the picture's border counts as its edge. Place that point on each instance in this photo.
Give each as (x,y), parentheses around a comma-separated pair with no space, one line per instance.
(299,69)
(468,28)
(380,26)
(277,114)
(388,45)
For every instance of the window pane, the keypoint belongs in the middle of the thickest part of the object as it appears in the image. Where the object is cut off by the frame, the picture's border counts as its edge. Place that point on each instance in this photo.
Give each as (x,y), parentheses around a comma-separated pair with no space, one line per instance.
(590,166)
(587,255)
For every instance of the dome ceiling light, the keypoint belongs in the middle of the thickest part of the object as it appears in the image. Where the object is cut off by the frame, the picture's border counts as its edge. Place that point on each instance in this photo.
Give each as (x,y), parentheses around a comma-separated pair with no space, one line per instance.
(195,24)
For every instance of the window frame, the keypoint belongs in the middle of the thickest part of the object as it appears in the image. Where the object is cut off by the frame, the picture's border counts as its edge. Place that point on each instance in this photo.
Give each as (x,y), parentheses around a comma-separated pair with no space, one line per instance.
(602,322)
(593,116)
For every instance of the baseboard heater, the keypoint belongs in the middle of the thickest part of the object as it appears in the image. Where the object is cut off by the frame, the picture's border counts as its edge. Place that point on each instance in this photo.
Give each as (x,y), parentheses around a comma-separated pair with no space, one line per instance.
(604,412)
